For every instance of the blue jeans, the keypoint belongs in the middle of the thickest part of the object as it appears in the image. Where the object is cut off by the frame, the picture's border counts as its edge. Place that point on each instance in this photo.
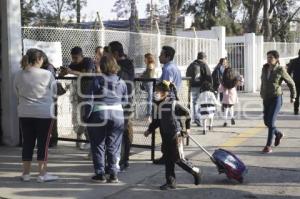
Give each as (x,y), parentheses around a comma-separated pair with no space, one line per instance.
(149,90)
(195,92)
(107,137)
(271,109)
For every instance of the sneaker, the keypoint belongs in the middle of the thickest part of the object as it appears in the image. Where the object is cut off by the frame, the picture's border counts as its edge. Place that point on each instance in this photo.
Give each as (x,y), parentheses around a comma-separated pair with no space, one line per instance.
(26,177)
(278,138)
(210,128)
(124,167)
(225,124)
(99,178)
(168,186)
(267,149)
(47,178)
(197,174)
(85,146)
(113,178)
(159,160)
(232,121)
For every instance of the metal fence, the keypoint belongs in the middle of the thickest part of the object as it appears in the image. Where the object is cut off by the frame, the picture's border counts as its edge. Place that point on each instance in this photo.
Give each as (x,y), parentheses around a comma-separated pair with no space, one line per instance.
(135,44)
(236,58)
(67,118)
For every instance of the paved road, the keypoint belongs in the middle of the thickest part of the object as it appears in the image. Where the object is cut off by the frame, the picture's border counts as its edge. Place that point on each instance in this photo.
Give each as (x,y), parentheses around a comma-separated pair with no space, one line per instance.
(270,176)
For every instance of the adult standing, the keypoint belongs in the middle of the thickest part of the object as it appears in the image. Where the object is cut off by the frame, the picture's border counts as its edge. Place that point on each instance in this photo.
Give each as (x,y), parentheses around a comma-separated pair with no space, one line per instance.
(98,55)
(271,79)
(217,75)
(294,70)
(35,90)
(170,73)
(199,72)
(106,120)
(127,74)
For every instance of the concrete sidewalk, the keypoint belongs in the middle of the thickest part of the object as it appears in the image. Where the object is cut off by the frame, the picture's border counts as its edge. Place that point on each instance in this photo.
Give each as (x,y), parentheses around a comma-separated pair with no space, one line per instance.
(274,176)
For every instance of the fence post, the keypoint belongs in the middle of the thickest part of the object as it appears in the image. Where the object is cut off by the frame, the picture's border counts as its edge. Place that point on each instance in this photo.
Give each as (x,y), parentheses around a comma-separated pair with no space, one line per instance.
(11,47)
(102,30)
(158,44)
(220,32)
(250,62)
(196,43)
(259,59)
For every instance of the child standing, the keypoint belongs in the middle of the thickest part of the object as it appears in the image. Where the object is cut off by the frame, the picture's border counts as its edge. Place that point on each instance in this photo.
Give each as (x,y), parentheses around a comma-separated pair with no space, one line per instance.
(207,105)
(167,113)
(228,88)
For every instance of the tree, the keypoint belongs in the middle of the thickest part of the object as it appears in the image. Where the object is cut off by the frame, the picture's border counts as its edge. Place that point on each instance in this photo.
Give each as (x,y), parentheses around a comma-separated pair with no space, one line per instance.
(134,18)
(174,11)
(253,8)
(122,8)
(27,14)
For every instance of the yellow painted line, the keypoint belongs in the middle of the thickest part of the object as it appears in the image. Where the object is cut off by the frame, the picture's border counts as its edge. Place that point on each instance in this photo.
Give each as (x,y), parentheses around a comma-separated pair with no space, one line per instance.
(243,136)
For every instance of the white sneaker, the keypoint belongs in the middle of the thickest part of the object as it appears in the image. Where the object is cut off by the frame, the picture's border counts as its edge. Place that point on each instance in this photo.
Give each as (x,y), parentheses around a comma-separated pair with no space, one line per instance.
(25,177)
(47,178)
(85,146)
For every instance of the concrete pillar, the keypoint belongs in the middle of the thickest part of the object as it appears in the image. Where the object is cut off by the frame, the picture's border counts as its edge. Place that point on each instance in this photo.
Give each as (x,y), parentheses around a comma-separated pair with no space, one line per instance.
(11,46)
(250,62)
(220,32)
(259,59)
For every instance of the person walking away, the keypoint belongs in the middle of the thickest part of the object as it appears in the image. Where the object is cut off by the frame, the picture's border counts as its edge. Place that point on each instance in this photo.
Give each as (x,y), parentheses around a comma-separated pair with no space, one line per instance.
(167,119)
(35,89)
(199,72)
(127,74)
(207,103)
(148,85)
(271,92)
(294,71)
(228,87)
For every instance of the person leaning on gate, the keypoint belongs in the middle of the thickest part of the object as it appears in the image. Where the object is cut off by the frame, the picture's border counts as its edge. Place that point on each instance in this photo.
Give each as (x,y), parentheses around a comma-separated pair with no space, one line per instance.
(105,119)
(294,71)
(127,74)
(170,73)
(199,72)
(271,92)
(78,66)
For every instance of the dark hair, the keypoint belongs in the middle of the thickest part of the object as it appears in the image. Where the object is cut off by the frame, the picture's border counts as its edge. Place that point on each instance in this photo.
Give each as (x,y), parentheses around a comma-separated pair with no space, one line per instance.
(116,46)
(76,51)
(201,55)
(221,60)
(206,86)
(274,53)
(229,79)
(106,49)
(97,48)
(166,86)
(169,52)
(31,57)
(45,59)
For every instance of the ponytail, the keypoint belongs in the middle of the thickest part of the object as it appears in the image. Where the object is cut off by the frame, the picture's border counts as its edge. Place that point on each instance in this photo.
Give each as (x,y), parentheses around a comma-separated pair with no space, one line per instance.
(24,62)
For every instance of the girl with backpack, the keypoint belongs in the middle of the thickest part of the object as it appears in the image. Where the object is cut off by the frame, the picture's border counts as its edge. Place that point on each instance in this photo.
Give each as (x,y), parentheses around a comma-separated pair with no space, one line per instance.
(228,87)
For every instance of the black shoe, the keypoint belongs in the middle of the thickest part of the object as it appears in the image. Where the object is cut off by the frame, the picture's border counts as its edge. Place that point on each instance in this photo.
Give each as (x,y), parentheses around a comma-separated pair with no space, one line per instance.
(124,167)
(204,132)
(232,121)
(113,178)
(99,178)
(210,128)
(296,112)
(159,160)
(225,124)
(168,186)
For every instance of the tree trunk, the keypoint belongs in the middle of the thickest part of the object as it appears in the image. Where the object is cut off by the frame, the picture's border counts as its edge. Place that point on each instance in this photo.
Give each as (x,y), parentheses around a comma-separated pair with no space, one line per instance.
(133,20)
(266,22)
